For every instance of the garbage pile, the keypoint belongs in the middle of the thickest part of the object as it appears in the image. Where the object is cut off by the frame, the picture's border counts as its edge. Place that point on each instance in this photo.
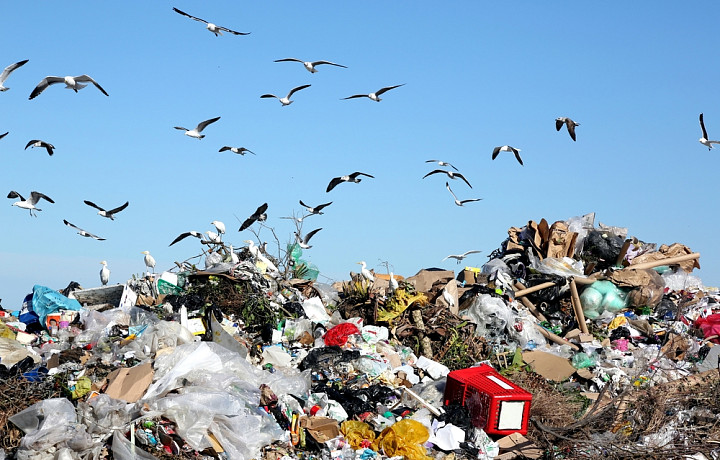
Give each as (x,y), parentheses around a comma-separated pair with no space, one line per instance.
(572,341)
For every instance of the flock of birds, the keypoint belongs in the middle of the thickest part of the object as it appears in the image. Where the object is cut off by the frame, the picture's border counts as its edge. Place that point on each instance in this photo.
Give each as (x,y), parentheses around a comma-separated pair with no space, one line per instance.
(77,83)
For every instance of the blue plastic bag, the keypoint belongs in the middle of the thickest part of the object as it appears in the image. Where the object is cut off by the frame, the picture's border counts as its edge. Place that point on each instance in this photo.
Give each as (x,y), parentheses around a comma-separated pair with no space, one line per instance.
(46,301)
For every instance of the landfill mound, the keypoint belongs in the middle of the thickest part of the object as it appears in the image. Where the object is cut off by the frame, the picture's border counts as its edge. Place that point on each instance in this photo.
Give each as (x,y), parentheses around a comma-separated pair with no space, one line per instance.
(574,340)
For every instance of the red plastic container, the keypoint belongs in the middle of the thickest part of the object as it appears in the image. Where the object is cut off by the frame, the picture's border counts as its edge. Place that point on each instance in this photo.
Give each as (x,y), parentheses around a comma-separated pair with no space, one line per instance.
(497,405)
(456,384)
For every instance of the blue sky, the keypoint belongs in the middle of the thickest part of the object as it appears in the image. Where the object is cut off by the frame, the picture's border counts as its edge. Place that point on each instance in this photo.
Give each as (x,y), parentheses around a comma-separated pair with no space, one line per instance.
(477,75)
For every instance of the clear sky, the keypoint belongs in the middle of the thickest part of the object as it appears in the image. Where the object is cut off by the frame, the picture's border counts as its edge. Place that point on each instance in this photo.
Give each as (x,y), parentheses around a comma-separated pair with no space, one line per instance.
(477,75)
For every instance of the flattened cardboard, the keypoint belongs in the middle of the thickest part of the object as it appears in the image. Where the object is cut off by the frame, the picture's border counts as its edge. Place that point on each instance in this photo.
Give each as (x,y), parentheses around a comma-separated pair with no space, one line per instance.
(561,241)
(130,384)
(322,429)
(425,278)
(550,366)
(517,446)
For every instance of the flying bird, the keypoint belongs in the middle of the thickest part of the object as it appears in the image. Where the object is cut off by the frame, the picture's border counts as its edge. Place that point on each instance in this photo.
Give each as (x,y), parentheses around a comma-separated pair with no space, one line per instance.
(376,95)
(30,203)
(460,257)
(104,273)
(6,73)
(349,178)
(109,214)
(238,150)
(217,30)
(82,232)
(286,100)
(704,139)
(298,219)
(3,135)
(303,242)
(317,209)
(182,236)
(149,260)
(450,174)
(196,131)
(310,66)
(73,83)
(507,148)
(460,202)
(259,214)
(38,143)
(559,121)
(441,163)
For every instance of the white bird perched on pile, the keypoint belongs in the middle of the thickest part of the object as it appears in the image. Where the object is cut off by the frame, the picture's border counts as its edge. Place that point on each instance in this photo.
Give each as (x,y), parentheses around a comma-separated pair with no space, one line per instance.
(149,260)
(286,100)
(233,257)
(30,203)
(393,283)
(82,232)
(303,242)
(109,214)
(73,83)
(460,202)
(449,298)
(507,148)
(217,30)
(195,132)
(104,273)
(367,274)
(6,73)
(255,252)
(219,226)
(460,257)
(310,66)
(704,139)
(376,95)
(213,237)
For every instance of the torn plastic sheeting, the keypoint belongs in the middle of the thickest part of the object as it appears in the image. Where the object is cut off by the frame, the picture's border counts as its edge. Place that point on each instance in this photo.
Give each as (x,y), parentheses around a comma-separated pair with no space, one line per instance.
(46,301)
(103,414)
(122,449)
(12,352)
(315,310)
(243,436)
(163,334)
(491,315)
(45,424)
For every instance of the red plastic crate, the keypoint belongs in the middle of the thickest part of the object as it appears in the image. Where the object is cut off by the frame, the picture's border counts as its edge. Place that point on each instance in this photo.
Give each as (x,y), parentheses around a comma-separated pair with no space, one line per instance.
(456,383)
(497,405)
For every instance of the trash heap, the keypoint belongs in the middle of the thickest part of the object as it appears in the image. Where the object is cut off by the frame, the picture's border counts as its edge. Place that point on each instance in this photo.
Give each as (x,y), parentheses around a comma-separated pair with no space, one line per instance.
(572,341)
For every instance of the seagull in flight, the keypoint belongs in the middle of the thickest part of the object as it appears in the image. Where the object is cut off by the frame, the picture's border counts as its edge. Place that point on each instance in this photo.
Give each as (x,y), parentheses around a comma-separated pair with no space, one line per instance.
(460,257)
(182,236)
(441,163)
(38,143)
(8,70)
(450,174)
(315,210)
(704,139)
(30,203)
(217,30)
(258,215)
(109,214)
(507,148)
(286,100)
(196,131)
(303,242)
(82,232)
(238,150)
(376,95)
(3,135)
(310,66)
(349,178)
(73,83)
(559,121)
(459,202)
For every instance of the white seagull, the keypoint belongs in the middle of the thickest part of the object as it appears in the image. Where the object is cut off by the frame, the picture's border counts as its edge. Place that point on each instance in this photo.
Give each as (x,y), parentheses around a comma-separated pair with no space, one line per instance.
(376,95)
(367,274)
(182,236)
(6,73)
(73,83)
(149,260)
(38,143)
(217,30)
(30,203)
(460,202)
(258,215)
(460,257)
(507,148)
(238,150)
(303,242)
(105,213)
(255,252)
(196,131)
(450,174)
(82,232)
(441,163)
(704,139)
(559,121)
(317,209)
(349,178)
(286,100)
(219,226)
(310,66)
(104,273)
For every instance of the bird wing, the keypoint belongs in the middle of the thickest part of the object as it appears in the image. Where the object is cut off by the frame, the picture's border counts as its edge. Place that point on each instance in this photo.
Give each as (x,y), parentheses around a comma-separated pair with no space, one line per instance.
(470,252)
(321,206)
(333,183)
(48,147)
(260,210)
(14,194)
(248,222)
(87,78)
(269,95)
(571,130)
(453,256)
(453,167)
(292,91)
(203,124)
(119,208)
(517,155)
(235,32)
(181,128)
(35,197)
(558,124)
(355,96)
(303,204)
(310,235)
(496,150)
(357,173)
(463,178)
(702,125)
(289,60)
(9,69)
(434,172)
(243,149)
(329,63)
(387,88)
(31,143)
(470,200)
(72,225)
(447,186)
(224,149)
(3,135)
(189,16)
(93,236)
(44,83)
(182,236)
(90,203)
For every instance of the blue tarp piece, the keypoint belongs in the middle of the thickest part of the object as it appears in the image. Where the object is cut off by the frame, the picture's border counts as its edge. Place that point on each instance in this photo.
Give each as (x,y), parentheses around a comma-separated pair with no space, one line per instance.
(46,301)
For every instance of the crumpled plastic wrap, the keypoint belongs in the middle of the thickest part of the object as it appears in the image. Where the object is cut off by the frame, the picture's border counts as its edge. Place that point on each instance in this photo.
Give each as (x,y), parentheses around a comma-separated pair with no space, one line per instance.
(46,424)
(491,315)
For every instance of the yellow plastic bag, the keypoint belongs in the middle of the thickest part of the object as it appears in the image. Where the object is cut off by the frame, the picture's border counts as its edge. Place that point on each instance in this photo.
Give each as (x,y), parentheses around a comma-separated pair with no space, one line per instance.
(356,432)
(405,438)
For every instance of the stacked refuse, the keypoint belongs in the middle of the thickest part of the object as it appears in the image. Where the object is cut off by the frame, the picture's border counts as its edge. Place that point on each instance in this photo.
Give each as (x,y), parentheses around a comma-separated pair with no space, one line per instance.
(574,340)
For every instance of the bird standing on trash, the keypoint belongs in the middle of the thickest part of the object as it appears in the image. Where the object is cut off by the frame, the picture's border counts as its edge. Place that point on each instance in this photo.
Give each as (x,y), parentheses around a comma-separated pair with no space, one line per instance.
(149,260)
(258,215)
(460,257)
(349,178)
(460,202)
(507,148)
(303,242)
(367,274)
(104,273)
(286,100)
(559,121)
(255,252)
(217,30)
(109,214)
(213,237)
(30,203)
(195,132)
(394,285)
(704,139)
(219,226)
(310,66)
(73,83)
(6,73)
(374,96)
(450,174)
